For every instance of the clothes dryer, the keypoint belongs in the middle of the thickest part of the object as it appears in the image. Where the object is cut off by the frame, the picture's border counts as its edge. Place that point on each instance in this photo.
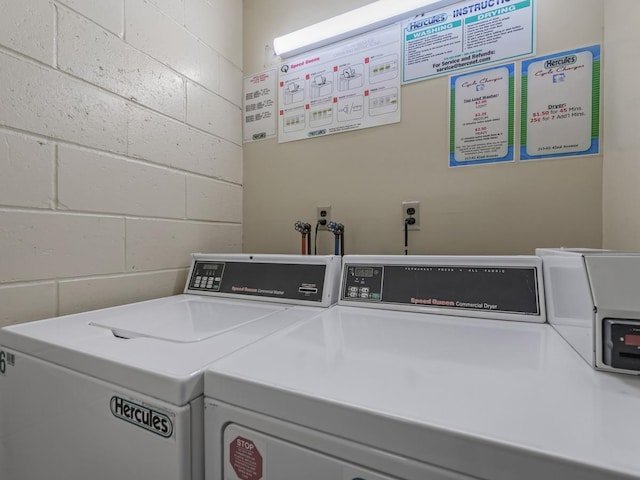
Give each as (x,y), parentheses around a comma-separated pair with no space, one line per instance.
(430,368)
(118,393)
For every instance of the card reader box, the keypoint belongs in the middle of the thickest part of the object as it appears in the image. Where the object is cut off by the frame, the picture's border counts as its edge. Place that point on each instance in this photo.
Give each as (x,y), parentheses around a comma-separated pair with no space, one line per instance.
(593,301)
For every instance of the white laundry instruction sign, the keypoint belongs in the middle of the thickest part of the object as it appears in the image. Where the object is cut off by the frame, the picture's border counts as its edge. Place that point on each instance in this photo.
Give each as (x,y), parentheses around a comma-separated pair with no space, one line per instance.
(467,35)
(347,86)
(259,106)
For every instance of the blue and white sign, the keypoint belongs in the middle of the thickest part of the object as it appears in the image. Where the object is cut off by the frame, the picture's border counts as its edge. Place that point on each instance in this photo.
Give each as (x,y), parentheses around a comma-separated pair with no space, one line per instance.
(481,126)
(561,105)
(467,35)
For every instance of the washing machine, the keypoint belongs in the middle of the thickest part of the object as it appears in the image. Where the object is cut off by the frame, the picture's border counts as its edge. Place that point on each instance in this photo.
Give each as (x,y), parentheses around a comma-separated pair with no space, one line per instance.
(118,393)
(429,368)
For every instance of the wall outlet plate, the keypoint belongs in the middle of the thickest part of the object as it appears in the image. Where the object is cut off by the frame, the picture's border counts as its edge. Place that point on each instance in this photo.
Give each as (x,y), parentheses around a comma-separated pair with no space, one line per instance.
(411,210)
(323,212)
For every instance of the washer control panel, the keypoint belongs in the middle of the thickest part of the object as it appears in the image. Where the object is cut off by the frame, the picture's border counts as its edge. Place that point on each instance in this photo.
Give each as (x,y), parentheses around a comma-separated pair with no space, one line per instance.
(207,276)
(291,281)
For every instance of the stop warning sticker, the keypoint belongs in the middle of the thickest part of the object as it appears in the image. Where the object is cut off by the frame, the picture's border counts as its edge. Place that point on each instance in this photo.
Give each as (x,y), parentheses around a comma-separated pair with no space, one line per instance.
(246,458)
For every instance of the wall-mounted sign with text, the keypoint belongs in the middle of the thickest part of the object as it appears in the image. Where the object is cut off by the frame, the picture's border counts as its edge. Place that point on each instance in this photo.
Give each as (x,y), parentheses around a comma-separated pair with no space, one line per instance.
(259,106)
(347,86)
(467,35)
(482,116)
(560,114)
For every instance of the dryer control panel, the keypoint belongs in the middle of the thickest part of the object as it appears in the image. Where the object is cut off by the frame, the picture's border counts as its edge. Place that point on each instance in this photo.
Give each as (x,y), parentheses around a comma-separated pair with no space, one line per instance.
(507,287)
(363,282)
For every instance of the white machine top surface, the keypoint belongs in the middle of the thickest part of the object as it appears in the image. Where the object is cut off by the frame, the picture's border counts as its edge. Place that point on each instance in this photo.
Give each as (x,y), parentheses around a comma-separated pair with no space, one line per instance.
(445,390)
(159,347)
(182,319)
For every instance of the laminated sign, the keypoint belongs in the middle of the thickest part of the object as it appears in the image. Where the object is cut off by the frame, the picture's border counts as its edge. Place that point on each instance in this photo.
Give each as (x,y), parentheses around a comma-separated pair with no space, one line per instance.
(346,86)
(561,105)
(467,35)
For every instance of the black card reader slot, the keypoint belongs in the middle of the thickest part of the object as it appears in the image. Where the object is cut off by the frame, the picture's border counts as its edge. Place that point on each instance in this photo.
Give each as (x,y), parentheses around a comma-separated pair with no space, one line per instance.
(630,355)
(307,290)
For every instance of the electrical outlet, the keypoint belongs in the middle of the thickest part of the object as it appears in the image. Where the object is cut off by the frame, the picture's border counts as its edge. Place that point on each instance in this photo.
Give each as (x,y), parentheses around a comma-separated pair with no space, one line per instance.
(411,210)
(323,215)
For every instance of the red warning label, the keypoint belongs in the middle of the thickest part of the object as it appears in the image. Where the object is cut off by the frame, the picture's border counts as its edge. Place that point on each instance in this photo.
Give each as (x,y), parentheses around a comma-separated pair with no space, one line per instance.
(245,459)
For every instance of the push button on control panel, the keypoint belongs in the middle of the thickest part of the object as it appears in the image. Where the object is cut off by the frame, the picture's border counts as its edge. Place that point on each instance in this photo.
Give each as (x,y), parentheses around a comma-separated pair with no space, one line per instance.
(363,283)
(207,276)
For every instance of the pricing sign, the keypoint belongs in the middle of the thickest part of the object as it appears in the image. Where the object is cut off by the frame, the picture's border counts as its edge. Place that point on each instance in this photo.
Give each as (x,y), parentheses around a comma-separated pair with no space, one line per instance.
(561,105)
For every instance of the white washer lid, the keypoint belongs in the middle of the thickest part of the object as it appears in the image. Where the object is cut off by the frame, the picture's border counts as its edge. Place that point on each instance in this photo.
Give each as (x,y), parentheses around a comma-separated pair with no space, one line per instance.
(490,399)
(187,319)
(164,345)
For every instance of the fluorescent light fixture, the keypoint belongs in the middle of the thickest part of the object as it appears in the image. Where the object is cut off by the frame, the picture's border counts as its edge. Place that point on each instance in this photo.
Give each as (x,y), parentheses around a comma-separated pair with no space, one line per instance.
(374,15)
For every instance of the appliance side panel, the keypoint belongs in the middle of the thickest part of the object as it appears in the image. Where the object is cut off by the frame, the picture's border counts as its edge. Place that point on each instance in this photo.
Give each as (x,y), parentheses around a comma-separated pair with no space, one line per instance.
(614,280)
(197,438)
(570,307)
(57,423)
(332,282)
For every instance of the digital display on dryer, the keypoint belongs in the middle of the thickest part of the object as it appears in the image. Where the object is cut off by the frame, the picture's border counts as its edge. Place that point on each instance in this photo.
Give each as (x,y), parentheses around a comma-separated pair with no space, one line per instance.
(364,272)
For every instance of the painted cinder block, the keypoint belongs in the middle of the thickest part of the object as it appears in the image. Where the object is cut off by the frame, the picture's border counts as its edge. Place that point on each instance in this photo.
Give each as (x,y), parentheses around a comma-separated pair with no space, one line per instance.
(213,200)
(109,14)
(213,114)
(218,23)
(155,244)
(26,171)
(40,100)
(152,32)
(95,182)
(231,82)
(228,161)
(26,26)
(172,8)
(91,93)
(26,302)
(160,140)
(84,294)
(53,245)
(85,50)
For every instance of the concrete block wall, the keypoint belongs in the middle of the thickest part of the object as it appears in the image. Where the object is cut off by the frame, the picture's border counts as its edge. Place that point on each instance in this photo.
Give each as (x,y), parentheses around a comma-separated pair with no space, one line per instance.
(120,149)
